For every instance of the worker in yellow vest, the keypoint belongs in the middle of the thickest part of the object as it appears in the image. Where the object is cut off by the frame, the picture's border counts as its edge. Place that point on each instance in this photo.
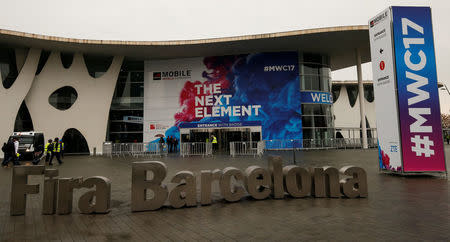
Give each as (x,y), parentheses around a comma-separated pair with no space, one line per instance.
(48,150)
(56,152)
(61,143)
(214,142)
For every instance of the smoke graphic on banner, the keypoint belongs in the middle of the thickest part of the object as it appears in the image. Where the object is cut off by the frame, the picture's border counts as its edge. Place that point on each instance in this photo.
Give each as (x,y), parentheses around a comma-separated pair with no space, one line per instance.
(261,87)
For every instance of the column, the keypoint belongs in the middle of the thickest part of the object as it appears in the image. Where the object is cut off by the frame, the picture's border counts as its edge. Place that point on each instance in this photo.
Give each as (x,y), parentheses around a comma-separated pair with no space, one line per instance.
(361,99)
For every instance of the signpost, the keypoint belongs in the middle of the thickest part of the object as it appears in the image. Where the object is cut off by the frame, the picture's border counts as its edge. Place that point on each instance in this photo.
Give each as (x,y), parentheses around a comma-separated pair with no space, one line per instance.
(406,92)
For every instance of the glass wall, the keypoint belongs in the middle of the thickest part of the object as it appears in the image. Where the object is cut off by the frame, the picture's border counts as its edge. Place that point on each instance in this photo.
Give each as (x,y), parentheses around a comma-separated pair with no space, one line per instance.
(63,98)
(23,119)
(127,107)
(8,68)
(315,75)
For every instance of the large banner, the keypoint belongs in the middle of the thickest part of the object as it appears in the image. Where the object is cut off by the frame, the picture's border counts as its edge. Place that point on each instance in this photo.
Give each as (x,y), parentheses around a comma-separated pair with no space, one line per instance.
(260,89)
(386,110)
(406,91)
(418,98)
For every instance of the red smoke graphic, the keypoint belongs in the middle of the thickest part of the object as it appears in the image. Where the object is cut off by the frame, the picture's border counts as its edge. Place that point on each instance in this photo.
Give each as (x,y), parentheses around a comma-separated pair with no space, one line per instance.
(219,68)
(385,159)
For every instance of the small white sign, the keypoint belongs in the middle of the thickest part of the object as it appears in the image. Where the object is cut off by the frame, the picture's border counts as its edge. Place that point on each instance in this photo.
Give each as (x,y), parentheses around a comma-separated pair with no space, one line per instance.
(386,107)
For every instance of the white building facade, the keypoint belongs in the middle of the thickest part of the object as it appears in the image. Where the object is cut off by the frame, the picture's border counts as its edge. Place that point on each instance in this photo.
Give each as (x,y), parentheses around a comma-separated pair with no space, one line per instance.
(88,91)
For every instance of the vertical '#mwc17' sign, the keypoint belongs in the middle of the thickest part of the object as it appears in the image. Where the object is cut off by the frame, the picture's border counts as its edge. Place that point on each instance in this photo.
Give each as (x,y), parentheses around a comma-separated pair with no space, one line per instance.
(406,92)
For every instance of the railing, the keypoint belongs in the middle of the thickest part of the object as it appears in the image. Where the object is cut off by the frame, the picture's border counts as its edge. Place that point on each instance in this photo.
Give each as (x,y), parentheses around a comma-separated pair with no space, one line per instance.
(236,148)
(255,148)
(195,148)
(134,149)
(342,143)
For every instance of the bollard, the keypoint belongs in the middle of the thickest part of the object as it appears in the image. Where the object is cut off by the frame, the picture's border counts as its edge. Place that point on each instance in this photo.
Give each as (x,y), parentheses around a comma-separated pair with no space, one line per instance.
(95,151)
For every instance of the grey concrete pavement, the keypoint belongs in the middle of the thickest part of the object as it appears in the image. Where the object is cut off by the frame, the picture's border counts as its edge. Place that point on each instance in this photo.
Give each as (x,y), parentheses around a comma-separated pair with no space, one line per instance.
(398,208)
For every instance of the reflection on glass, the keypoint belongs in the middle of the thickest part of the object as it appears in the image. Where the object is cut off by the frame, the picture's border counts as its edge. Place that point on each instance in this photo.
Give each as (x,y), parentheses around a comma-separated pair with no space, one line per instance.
(368,93)
(42,60)
(63,98)
(317,121)
(97,65)
(66,59)
(23,119)
(352,92)
(127,104)
(336,91)
(8,68)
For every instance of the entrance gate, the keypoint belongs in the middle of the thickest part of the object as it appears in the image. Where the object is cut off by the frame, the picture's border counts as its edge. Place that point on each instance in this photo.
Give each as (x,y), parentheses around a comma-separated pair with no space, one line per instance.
(224,136)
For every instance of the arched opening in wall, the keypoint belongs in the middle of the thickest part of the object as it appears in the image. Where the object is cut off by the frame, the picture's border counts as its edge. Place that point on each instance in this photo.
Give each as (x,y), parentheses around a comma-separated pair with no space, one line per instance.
(63,98)
(8,67)
(352,92)
(66,59)
(368,93)
(21,57)
(23,119)
(97,65)
(75,143)
(42,60)
(335,91)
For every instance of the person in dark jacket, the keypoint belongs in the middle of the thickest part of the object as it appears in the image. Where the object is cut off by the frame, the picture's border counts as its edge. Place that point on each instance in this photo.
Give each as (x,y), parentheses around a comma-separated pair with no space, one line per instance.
(170,144)
(5,154)
(38,153)
(161,144)
(175,144)
(56,152)
(48,150)
(10,153)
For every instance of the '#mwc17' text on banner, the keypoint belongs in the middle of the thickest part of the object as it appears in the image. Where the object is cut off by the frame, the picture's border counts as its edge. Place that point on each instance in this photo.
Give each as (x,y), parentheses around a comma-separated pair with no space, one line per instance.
(418,98)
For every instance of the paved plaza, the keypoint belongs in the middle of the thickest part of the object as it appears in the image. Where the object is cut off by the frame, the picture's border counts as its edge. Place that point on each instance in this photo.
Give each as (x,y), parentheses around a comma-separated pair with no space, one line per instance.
(398,208)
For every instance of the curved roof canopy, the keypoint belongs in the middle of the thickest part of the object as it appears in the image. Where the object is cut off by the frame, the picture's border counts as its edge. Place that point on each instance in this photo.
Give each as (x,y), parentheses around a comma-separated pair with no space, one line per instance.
(337,42)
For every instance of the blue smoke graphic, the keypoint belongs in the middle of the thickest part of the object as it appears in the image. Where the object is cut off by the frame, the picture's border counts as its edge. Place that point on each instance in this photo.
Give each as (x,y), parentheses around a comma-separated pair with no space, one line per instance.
(278,93)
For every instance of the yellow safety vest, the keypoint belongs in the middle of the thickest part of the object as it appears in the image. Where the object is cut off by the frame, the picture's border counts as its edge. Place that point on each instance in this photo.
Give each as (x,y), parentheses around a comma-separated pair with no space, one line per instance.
(46,149)
(56,147)
(214,141)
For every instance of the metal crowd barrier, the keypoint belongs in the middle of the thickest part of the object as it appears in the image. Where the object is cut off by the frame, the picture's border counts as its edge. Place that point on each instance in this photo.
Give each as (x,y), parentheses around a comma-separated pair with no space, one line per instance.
(255,148)
(134,149)
(195,148)
(236,148)
(305,144)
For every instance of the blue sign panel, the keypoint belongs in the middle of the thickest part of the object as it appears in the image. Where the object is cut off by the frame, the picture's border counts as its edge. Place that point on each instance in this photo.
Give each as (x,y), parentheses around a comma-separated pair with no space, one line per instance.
(418,99)
(220,125)
(316,97)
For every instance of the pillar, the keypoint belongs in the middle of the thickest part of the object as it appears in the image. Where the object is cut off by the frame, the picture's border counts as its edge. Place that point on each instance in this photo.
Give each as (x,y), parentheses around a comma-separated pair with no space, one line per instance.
(361,99)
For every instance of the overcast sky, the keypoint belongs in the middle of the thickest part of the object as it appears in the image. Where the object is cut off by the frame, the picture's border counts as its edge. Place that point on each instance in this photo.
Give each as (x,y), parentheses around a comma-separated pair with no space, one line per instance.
(195,19)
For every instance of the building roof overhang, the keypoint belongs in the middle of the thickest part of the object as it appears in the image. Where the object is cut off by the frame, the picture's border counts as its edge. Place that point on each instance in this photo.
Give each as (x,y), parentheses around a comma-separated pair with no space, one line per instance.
(339,43)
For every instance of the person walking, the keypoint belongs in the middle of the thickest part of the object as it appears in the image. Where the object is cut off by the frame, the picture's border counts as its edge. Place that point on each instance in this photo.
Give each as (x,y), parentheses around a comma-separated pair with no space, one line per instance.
(37,155)
(175,144)
(48,150)
(161,145)
(9,153)
(214,143)
(56,152)
(16,151)
(61,143)
(4,148)
(169,143)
